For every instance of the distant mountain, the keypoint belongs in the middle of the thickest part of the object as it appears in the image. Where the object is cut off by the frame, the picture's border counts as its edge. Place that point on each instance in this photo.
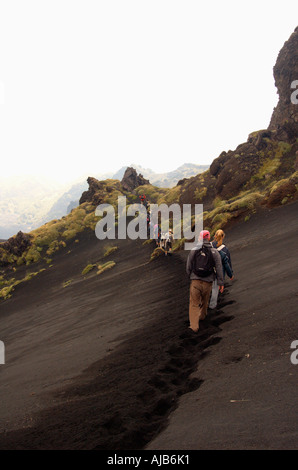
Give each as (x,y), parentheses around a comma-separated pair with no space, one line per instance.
(66,202)
(23,202)
(70,199)
(28,202)
(168,179)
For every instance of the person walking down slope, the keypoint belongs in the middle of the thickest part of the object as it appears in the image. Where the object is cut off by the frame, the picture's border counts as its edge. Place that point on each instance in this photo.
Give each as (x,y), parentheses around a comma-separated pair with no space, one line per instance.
(169,242)
(163,240)
(226,264)
(156,234)
(203,267)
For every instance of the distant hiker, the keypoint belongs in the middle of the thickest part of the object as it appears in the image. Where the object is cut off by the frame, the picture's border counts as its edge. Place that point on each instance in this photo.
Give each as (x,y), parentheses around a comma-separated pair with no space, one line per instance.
(148,224)
(203,266)
(159,236)
(169,241)
(163,240)
(150,228)
(226,264)
(156,234)
(143,200)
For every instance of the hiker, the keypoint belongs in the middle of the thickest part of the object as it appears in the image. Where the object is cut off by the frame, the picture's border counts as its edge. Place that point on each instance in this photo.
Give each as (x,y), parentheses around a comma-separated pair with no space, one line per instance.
(226,264)
(203,266)
(143,200)
(148,224)
(159,236)
(163,240)
(156,234)
(169,241)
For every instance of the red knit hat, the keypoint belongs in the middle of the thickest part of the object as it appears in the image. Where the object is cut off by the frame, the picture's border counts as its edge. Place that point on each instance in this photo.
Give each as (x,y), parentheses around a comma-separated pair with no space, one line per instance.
(204,234)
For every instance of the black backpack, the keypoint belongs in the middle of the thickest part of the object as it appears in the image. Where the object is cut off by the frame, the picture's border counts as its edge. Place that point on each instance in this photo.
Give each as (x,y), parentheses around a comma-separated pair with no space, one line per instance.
(203,262)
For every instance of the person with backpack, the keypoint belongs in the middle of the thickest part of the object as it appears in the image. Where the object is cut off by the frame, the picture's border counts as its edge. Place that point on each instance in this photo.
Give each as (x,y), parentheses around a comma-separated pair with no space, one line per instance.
(203,267)
(226,264)
(169,242)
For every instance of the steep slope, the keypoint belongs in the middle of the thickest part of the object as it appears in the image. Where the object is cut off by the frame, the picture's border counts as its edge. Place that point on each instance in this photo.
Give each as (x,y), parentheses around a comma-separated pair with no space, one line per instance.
(99,359)
(55,330)
(247,397)
(102,362)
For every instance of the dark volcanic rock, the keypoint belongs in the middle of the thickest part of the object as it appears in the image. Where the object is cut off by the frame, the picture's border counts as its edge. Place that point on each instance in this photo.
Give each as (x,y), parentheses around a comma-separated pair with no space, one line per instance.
(18,244)
(285,115)
(284,191)
(132,180)
(94,187)
(181,182)
(219,162)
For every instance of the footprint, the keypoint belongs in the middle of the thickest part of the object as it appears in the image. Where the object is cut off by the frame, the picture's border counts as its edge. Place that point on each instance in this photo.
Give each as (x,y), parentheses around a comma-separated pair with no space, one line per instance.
(158,382)
(224,304)
(163,405)
(218,321)
(147,395)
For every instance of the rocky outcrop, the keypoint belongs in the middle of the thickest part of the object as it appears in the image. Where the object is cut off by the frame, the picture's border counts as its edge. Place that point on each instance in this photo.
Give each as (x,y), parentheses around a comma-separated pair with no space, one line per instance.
(284,191)
(92,194)
(18,244)
(267,156)
(285,116)
(131,180)
(98,191)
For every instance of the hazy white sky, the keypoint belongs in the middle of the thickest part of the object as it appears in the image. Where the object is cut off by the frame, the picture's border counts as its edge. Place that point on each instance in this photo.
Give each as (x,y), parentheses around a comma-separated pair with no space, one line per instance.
(89,86)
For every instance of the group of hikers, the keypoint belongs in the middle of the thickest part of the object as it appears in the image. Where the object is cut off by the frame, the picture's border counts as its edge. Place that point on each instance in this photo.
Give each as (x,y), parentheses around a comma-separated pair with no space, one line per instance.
(166,241)
(207,265)
(163,240)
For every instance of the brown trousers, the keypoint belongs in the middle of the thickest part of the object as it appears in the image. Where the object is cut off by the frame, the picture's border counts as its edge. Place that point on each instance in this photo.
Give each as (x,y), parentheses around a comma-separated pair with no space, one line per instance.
(198,302)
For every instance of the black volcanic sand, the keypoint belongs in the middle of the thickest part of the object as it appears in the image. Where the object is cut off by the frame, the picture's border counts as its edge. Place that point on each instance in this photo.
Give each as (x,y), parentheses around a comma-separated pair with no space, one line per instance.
(108,363)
